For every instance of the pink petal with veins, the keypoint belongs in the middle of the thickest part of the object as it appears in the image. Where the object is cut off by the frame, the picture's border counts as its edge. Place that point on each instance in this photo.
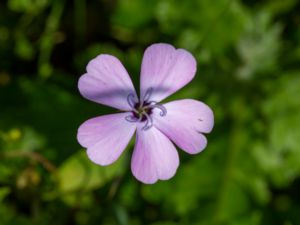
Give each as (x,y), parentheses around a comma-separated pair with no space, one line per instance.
(185,122)
(165,70)
(107,82)
(154,157)
(106,137)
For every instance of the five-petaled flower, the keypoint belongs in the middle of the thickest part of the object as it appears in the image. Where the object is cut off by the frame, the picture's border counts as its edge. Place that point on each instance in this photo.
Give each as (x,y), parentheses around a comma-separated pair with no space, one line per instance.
(164,71)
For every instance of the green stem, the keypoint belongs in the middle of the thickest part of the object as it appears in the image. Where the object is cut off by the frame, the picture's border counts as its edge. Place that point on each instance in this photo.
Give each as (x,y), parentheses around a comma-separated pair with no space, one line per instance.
(47,41)
(236,143)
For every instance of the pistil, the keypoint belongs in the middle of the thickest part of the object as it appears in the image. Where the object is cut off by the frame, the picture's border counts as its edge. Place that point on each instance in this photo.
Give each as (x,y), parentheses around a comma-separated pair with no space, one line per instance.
(142,110)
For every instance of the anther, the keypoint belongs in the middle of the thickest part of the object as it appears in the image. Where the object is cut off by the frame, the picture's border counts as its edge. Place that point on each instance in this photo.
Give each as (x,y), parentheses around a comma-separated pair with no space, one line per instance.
(130,100)
(149,122)
(154,104)
(143,109)
(132,119)
(148,95)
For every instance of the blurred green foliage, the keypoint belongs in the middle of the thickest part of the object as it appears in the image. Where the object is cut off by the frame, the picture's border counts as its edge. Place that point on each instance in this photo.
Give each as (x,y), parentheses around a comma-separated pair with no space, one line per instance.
(248,55)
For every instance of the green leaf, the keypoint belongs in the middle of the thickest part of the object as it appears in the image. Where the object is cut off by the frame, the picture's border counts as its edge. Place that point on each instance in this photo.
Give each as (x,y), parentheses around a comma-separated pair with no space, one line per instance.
(280,155)
(78,173)
(259,46)
(4,191)
(141,9)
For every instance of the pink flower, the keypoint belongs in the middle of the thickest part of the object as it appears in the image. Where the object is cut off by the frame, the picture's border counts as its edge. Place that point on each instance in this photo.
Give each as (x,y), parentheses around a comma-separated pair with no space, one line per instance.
(183,122)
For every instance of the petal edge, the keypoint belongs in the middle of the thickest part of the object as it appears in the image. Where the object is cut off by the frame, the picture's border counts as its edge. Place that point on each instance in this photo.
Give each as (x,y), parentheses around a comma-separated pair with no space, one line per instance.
(165,70)
(154,157)
(106,82)
(185,123)
(106,137)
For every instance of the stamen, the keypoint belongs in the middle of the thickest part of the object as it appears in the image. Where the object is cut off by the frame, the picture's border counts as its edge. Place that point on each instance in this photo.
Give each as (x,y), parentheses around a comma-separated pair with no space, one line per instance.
(130,100)
(147,95)
(133,119)
(143,109)
(154,104)
(149,122)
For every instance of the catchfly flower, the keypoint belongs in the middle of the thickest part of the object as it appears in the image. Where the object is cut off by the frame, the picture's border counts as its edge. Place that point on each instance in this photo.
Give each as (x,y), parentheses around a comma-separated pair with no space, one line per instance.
(183,122)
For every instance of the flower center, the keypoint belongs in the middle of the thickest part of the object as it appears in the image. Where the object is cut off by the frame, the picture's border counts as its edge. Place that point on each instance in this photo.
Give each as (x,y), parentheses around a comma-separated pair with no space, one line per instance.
(142,110)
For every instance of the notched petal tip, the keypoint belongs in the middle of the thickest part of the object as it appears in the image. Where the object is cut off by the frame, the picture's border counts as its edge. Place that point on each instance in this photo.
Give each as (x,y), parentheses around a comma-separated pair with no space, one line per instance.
(160,45)
(192,60)
(166,70)
(106,137)
(106,82)
(185,124)
(154,157)
(208,119)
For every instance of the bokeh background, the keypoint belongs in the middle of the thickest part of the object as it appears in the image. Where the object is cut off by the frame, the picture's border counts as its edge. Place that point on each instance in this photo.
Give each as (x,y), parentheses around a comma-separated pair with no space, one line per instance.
(248,55)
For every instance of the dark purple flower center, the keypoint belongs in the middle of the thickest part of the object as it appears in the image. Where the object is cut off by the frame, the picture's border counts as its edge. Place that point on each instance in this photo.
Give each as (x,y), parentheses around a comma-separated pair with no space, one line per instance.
(142,110)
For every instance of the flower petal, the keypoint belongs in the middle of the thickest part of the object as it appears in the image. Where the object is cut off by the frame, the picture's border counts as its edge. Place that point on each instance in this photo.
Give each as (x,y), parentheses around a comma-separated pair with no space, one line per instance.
(165,70)
(107,82)
(106,137)
(185,122)
(154,156)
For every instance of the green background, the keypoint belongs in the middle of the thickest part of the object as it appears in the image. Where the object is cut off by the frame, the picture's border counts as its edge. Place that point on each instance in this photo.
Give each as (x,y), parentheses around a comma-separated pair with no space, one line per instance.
(248,55)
